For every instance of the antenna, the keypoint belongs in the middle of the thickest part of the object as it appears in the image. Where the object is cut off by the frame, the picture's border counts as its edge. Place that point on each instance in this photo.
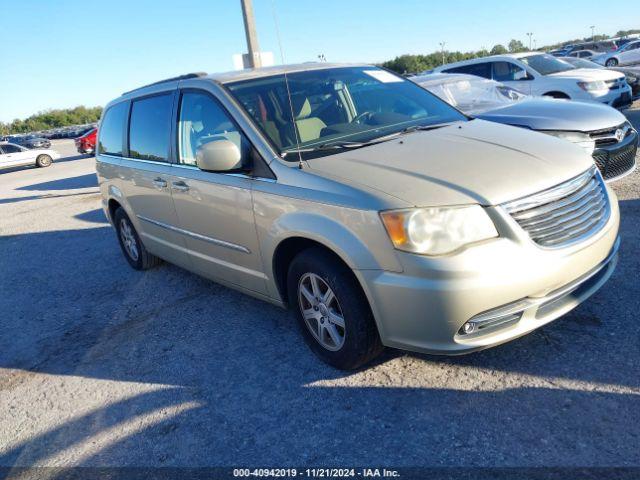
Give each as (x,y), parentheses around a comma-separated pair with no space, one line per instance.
(286,82)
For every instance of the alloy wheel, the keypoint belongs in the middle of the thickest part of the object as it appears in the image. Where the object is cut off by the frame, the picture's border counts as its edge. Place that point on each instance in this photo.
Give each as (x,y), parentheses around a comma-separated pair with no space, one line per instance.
(129,239)
(321,311)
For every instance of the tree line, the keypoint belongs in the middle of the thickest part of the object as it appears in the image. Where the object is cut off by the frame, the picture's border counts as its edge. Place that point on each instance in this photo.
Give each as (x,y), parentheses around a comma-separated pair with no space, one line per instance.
(405,64)
(52,119)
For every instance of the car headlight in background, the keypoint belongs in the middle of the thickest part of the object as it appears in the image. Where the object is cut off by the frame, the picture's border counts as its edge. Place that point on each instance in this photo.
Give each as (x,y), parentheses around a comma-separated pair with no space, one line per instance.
(579,138)
(437,230)
(596,86)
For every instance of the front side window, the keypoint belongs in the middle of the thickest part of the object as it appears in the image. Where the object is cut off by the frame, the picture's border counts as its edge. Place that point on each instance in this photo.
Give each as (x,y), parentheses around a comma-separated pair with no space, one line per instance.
(546,64)
(112,129)
(150,127)
(203,120)
(335,106)
(507,72)
(10,148)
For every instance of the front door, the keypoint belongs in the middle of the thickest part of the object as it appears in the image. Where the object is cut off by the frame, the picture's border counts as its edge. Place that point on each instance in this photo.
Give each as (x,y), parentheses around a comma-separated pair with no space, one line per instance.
(15,155)
(215,210)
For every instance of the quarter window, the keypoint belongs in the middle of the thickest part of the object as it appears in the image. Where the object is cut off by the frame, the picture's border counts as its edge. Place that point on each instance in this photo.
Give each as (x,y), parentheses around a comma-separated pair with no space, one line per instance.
(203,120)
(111,129)
(149,128)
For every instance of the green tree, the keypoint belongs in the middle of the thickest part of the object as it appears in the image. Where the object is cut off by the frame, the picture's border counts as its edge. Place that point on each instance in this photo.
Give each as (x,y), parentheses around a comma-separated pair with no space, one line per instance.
(52,119)
(498,49)
(516,46)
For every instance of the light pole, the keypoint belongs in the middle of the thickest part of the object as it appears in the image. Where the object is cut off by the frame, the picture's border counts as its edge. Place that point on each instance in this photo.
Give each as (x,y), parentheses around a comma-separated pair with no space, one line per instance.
(529,34)
(250,32)
(442,44)
(535,44)
(593,36)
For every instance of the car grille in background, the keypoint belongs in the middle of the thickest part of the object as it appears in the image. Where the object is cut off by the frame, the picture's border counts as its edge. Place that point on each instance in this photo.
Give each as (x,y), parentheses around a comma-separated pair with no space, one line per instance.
(615,84)
(616,163)
(565,214)
(607,136)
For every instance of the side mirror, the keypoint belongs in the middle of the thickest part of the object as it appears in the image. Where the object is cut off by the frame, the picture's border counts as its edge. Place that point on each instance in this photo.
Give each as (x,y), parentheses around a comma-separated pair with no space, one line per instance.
(219,156)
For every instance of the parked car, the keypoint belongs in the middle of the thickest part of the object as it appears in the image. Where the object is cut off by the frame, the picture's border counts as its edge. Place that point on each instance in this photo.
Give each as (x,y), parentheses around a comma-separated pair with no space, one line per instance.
(86,143)
(12,155)
(377,212)
(628,54)
(599,46)
(36,142)
(562,52)
(537,73)
(632,74)
(601,130)
(582,53)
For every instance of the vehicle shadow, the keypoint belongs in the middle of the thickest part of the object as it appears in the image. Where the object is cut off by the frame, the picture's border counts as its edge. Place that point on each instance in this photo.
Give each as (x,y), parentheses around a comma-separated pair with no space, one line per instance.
(71,183)
(233,384)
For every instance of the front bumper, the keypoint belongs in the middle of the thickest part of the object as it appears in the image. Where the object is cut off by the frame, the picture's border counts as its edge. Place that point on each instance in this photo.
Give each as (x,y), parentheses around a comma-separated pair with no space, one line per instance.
(424,308)
(619,98)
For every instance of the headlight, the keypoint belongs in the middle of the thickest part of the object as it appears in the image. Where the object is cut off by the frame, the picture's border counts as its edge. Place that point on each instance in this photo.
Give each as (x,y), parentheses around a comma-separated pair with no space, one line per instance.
(579,138)
(436,231)
(596,86)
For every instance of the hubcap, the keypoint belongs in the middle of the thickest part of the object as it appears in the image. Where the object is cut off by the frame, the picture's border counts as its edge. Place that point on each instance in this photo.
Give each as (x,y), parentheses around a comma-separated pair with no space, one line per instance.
(321,311)
(128,240)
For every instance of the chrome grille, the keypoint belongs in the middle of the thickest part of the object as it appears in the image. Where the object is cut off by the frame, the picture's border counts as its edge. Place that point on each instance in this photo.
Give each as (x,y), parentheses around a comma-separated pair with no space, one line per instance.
(565,214)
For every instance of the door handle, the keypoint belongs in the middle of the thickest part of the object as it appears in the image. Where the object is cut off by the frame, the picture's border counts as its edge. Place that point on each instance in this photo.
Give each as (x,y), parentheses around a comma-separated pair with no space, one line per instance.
(160,182)
(180,186)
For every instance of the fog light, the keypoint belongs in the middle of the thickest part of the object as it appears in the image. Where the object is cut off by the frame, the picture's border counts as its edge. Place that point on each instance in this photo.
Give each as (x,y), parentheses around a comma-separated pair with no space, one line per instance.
(469,327)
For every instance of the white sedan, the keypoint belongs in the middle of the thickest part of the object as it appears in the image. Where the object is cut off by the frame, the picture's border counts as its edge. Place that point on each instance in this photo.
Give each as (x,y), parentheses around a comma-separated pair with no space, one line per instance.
(12,155)
(628,54)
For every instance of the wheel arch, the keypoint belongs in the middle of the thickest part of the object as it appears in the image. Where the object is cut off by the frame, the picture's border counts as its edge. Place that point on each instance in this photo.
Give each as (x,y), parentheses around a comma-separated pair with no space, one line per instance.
(556,94)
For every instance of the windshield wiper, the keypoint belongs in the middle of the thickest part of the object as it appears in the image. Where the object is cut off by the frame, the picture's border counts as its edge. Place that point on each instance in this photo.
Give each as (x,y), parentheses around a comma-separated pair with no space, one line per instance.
(373,141)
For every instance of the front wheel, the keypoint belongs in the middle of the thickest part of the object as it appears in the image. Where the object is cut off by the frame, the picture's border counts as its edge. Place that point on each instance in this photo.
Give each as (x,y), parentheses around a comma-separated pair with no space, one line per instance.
(43,161)
(332,311)
(612,62)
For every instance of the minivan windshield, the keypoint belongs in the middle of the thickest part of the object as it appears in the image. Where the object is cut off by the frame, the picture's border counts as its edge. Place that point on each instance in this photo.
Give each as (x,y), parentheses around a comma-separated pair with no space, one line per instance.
(546,64)
(340,107)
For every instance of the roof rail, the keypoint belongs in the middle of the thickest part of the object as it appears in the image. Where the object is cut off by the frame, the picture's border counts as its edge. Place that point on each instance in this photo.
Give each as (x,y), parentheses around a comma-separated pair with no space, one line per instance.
(167,80)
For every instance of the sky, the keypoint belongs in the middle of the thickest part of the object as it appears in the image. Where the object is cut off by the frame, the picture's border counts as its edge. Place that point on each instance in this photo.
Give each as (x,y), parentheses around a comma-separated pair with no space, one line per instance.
(63,53)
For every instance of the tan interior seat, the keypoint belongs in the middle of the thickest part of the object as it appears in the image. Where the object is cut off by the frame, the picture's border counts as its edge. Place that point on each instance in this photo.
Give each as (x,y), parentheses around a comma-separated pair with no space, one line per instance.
(309,128)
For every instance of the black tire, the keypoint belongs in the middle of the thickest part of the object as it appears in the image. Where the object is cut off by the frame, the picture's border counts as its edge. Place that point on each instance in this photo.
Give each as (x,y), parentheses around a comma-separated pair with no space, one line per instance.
(612,62)
(43,161)
(142,260)
(361,340)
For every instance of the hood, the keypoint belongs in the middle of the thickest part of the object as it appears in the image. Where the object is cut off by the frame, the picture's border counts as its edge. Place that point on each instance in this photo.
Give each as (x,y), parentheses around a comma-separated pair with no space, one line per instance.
(467,162)
(552,114)
(588,74)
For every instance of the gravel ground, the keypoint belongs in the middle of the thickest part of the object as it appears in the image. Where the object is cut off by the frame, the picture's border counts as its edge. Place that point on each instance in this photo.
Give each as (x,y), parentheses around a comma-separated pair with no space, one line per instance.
(101,365)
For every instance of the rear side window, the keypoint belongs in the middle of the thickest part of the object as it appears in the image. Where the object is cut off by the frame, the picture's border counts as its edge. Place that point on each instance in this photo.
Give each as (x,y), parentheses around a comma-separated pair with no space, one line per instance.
(111,130)
(478,69)
(149,128)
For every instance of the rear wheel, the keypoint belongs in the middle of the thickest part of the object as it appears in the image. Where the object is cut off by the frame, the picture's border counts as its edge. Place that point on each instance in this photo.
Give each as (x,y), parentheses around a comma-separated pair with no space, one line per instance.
(43,161)
(132,247)
(332,311)
(612,62)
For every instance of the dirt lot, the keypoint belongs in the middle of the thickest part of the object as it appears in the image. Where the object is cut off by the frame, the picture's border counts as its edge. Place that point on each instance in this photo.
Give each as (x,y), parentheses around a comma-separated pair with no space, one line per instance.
(103,365)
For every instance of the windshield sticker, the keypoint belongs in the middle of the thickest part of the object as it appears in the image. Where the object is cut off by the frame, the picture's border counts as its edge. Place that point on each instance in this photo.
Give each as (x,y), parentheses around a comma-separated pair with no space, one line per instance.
(382,76)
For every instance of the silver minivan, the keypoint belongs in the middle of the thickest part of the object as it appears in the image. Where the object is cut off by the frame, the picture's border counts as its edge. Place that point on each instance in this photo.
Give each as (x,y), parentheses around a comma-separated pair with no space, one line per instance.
(377,212)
